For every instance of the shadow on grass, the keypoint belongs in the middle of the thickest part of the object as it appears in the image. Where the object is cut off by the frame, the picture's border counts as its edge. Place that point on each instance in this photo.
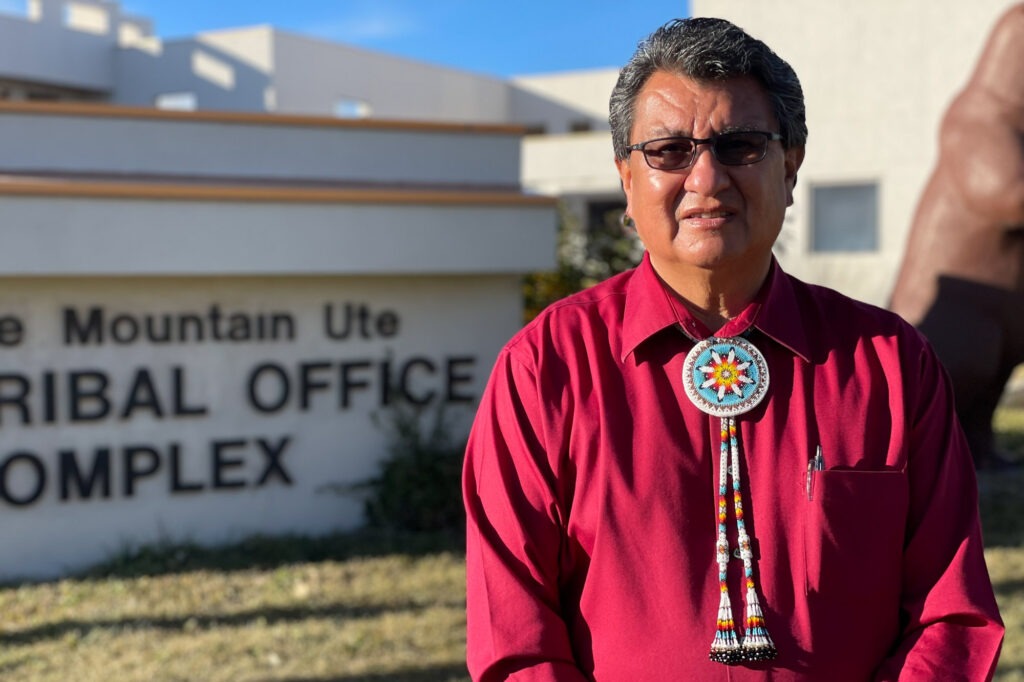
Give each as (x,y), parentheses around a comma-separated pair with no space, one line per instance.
(433,673)
(1002,507)
(269,616)
(264,552)
(1004,670)
(1006,588)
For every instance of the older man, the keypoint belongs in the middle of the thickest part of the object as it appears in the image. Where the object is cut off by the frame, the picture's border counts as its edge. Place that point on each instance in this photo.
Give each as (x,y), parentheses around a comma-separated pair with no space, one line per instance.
(704,469)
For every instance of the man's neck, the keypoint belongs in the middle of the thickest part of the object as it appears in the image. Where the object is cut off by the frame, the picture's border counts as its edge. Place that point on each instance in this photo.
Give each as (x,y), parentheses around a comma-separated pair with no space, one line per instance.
(714,296)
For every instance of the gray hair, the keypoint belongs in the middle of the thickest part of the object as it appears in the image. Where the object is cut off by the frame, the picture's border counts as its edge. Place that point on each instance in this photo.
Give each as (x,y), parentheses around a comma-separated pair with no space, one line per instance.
(706,49)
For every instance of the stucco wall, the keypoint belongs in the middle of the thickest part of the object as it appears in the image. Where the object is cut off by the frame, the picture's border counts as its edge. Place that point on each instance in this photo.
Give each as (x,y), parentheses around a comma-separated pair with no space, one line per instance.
(227,75)
(570,163)
(558,99)
(311,75)
(212,148)
(53,235)
(49,53)
(171,430)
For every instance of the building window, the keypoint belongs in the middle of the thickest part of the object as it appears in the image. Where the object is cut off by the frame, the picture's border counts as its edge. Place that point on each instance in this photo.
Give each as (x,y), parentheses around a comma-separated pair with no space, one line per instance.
(350,107)
(535,129)
(580,125)
(177,101)
(845,218)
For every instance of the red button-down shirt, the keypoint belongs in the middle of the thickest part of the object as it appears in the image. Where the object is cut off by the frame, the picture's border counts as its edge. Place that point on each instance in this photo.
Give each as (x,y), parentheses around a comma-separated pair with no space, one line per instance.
(590,486)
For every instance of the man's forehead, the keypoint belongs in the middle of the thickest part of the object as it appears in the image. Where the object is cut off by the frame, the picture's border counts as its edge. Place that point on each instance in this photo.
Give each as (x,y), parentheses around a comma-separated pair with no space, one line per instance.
(673,104)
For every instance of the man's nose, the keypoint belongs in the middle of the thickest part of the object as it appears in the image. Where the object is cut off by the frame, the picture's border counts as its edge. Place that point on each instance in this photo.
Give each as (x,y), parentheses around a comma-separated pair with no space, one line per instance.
(706,174)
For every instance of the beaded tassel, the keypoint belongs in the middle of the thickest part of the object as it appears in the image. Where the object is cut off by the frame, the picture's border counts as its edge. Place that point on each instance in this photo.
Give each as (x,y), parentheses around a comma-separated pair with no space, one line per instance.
(725,648)
(757,643)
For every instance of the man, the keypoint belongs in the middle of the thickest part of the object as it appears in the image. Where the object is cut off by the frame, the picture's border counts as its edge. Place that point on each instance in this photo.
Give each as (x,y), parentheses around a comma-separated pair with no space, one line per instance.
(704,469)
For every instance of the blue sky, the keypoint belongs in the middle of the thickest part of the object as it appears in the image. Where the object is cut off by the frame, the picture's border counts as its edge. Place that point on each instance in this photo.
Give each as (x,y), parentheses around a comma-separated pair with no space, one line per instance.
(499,38)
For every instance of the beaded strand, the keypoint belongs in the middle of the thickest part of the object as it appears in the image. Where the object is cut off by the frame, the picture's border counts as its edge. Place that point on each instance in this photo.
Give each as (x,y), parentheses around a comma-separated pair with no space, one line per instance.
(757,643)
(725,648)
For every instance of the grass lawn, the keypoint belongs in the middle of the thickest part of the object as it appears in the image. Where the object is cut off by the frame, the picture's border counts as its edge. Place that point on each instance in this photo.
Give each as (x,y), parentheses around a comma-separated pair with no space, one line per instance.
(1002,517)
(353,607)
(359,607)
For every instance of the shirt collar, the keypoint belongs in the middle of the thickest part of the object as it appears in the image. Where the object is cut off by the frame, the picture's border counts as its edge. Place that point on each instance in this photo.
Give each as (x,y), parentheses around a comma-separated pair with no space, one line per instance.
(651,307)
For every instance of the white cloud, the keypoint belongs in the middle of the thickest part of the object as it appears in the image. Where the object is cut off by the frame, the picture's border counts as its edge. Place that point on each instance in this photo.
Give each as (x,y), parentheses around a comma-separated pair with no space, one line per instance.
(366,24)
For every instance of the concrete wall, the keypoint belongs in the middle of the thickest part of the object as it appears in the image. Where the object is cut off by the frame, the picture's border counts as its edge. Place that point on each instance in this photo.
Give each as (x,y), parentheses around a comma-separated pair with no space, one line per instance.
(571,163)
(94,236)
(47,52)
(576,166)
(262,69)
(877,78)
(310,76)
(212,148)
(228,71)
(207,455)
(559,99)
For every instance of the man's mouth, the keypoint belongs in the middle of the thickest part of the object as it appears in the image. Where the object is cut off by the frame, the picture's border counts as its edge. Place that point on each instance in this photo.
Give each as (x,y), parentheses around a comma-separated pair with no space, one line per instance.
(707,217)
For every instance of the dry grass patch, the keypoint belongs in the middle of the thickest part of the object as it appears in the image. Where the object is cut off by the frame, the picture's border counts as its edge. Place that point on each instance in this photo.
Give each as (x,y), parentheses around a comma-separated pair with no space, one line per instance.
(1006,566)
(394,617)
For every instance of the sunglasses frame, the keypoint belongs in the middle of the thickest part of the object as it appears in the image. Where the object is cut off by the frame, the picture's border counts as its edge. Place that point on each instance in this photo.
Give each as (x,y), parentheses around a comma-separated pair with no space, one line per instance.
(710,141)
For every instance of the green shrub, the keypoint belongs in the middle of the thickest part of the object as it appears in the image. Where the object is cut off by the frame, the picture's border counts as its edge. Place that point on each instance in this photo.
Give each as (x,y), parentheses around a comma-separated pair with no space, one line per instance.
(586,255)
(418,485)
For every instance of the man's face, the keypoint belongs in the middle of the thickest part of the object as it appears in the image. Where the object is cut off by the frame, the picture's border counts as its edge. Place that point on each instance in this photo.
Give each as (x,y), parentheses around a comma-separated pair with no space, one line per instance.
(707,215)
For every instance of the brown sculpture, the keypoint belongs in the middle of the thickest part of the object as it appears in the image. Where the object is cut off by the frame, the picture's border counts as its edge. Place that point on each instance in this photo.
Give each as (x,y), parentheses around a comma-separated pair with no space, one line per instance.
(962,278)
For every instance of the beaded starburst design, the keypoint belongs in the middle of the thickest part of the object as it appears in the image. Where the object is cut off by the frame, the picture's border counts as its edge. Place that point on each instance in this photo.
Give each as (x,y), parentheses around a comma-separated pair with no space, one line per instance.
(725,374)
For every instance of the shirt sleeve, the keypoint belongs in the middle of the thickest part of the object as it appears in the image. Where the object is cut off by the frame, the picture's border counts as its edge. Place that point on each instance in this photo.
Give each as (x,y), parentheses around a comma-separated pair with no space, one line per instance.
(514,537)
(951,628)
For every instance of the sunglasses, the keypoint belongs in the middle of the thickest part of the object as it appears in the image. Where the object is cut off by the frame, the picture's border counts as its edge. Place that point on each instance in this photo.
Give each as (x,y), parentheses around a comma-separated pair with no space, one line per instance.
(730,149)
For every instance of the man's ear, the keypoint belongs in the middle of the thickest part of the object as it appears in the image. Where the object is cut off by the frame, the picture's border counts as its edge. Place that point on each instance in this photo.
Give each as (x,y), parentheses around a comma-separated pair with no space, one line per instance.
(794,158)
(626,178)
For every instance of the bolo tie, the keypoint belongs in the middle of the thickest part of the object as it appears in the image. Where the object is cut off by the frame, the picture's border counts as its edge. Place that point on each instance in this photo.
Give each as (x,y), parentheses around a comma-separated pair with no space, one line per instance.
(725,378)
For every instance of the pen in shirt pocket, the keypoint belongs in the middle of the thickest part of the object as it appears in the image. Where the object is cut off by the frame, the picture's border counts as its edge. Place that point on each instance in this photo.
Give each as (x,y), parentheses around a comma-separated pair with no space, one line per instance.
(816,463)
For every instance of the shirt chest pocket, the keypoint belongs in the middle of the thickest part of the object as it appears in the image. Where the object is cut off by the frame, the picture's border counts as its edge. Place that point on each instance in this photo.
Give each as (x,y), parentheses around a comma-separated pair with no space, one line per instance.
(853,537)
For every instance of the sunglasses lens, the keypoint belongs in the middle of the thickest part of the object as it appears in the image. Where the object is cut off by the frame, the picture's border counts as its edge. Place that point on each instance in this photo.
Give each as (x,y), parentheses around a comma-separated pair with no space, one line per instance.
(669,154)
(730,149)
(740,149)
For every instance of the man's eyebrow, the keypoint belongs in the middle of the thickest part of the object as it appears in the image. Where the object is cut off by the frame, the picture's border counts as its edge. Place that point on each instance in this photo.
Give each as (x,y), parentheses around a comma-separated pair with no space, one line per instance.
(742,128)
(659,133)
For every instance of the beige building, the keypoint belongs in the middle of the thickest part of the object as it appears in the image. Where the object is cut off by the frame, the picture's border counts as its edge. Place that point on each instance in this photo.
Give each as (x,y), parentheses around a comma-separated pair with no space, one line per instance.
(206,316)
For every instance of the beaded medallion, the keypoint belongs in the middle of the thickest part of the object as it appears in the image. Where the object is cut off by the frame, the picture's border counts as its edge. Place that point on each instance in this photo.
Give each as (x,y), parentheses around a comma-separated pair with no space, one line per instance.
(726,377)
